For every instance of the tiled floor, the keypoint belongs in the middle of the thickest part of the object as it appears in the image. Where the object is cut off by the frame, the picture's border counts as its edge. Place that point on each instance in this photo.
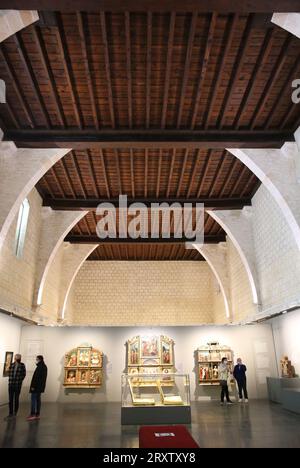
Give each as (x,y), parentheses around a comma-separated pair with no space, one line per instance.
(259,424)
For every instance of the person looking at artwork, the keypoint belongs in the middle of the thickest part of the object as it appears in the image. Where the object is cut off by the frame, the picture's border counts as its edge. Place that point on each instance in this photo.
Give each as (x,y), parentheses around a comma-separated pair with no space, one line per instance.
(37,386)
(224,374)
(16,375)
(239,373)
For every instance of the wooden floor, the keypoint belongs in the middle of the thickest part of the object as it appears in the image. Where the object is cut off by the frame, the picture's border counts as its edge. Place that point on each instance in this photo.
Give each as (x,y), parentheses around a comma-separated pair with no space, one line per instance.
(259,424)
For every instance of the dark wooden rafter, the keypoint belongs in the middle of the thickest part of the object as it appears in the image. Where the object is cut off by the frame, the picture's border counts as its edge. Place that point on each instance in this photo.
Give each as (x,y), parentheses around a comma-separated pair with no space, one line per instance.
(11,115)
(92,239)
(104,173)
(205,62)
(17,87)
(148,71)
(238,180)
(193,174)
(236,70)
(273,79)
(250,181)
(78,172)
(62,46)
(158,173)
(263,55)
(219,170)
(57,181)
(86,61)
(168,69)
(107,68)
(39,41)
(119,178)
(182,170)
(188,57)
(67,176)
(92,173)
(17,38)
(132,173)
(203,175)
(234,163)
(171,172)
(228,45)
(146,173)
(293,72)
(128,66)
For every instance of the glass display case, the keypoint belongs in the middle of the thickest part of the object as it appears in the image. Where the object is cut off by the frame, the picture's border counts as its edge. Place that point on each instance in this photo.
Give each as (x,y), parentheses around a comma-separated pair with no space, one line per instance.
(157,390)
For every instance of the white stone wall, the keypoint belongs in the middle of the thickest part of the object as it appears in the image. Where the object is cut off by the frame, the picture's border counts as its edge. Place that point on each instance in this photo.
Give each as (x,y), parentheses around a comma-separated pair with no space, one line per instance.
(139,293)
(17,275)
(277,255)
(240,292)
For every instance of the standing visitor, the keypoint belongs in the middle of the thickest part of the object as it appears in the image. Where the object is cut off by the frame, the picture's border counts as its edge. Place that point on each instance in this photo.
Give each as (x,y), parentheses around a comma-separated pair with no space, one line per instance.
(239,374)
(37,386)
(17,373)
(224,373)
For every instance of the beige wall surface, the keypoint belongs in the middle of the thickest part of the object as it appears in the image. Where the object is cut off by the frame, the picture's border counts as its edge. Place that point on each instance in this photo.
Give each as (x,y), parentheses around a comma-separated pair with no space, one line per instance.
(137,293)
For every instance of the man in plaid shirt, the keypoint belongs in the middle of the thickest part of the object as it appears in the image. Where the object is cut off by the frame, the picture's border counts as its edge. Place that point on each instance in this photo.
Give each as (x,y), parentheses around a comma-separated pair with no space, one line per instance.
(17,373)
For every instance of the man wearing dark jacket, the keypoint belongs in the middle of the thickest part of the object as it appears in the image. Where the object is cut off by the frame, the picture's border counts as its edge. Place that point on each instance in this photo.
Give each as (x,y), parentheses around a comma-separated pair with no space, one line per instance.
(239,374)
(37,386)
(16,375)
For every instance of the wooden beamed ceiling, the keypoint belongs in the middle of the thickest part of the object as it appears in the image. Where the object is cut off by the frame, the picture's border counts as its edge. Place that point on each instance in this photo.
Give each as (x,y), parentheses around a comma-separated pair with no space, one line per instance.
(148,101)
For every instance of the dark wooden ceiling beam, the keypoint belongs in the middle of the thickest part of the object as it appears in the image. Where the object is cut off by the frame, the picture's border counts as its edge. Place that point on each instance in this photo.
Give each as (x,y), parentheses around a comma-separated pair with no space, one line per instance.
(220,70)
(187,63)
(39,41)
(78,173)
(224,6)
(204,68)
(107,68)
(260,62)
(132,173)
(149,138)
(91,203)
(182,170)
(168,69)
(236,70)
(17,86)
(92,173)
(171,172)
(158,173)
(17,38)
(92,239)
(64,53)
(202,177)
(275,72)
(128,67)
(146,173)
(104,172)
(193,174)
(86,62)
(148,70)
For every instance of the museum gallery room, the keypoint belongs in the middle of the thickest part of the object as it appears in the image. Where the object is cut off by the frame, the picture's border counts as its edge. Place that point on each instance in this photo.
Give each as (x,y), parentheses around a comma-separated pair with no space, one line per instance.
(149,224)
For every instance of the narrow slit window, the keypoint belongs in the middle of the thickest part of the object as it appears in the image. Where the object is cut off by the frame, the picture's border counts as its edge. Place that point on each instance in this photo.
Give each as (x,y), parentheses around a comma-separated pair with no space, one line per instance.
(21,228)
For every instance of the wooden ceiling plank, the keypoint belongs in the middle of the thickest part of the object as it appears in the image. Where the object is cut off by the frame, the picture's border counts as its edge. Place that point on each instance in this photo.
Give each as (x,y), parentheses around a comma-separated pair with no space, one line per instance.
(228,179)
(251,180)
(168,69)
(148,71)
(171,172)
(117,162)
(186,154)
(236,70)
(218,172)
(259,108)
(17,38)
(260,62)
(187,63)
(60,37)
(132,173)
(92,173)
(67,176)
(104,173)
(217,82)
(238,180)
(107,68)
(39,41)
(78,173)
(57,181)
(193,175)
(204,173)
(16,84)
(146,174)
(11,114)
(128,66)
(87,61)
(158,173)
(202,75)
(293,72)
